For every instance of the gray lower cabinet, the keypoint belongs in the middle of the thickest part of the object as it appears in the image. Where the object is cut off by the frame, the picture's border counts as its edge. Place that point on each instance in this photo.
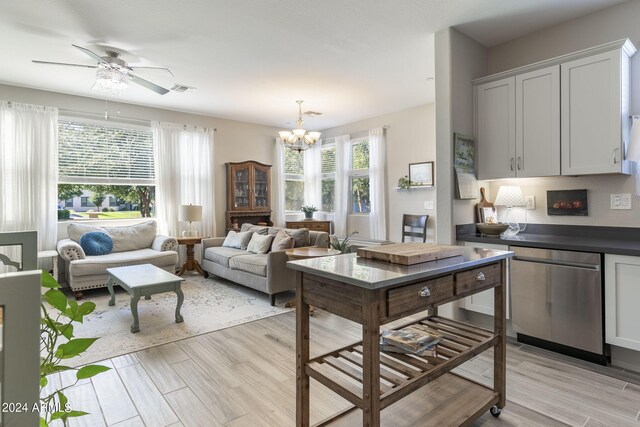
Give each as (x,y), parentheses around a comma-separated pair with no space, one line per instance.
(621,296)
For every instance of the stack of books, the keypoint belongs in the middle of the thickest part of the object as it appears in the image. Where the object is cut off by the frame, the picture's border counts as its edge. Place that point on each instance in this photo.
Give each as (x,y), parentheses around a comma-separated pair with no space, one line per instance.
(414,339)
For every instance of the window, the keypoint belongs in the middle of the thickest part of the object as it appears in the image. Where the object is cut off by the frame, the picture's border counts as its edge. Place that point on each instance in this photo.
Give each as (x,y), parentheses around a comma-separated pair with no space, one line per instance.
(107,160)
(359,176)
(68,203)
(328,171)
(293,180)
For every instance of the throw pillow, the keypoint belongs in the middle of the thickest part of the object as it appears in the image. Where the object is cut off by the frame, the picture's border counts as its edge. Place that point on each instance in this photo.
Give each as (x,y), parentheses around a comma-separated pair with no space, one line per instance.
(96,243)
(300,235)
(259,244)
(237,240)
(255,228)
(282,241)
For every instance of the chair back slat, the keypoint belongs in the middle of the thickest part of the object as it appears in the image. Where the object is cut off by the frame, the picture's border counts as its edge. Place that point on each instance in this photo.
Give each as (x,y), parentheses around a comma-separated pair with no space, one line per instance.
(414,221)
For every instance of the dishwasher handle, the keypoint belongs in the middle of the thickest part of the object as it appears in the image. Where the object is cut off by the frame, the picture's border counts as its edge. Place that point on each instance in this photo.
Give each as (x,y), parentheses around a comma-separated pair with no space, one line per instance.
(578,265)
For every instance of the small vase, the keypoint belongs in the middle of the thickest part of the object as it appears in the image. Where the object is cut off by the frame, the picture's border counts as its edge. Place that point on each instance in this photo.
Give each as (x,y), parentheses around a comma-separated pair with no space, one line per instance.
(308,215)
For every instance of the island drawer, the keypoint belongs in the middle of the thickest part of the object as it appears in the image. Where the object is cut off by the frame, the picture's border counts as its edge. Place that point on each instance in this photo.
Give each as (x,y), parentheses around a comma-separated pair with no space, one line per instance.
(483,277)
(421,295)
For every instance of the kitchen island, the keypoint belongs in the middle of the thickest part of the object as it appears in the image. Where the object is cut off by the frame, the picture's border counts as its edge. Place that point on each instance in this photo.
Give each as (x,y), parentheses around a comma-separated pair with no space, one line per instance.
(395,388)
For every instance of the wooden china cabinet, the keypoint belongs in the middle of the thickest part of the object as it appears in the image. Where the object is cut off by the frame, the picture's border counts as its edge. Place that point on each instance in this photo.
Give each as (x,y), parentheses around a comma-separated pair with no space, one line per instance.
(248,194)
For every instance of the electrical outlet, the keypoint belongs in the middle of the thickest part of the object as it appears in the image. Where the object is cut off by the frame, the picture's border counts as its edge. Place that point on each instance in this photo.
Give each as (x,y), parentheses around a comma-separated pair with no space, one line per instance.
(621,201)
(428,205)
(530,203)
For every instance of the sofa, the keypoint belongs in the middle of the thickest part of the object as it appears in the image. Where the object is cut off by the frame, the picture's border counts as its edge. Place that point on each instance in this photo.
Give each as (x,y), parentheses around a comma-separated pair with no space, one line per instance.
(132,245)
(267,272)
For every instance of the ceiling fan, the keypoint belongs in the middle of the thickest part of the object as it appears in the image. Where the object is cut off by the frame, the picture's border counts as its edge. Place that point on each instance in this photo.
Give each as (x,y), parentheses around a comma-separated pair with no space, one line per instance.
(112,71)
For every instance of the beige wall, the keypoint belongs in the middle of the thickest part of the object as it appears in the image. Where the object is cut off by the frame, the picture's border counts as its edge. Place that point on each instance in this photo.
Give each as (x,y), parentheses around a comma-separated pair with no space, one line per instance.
(614,23)
(410,138)
(459,60)
(234,141)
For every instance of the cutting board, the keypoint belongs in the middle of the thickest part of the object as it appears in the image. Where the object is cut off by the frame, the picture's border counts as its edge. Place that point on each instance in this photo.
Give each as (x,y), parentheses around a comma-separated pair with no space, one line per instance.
(410,253)
(483,204)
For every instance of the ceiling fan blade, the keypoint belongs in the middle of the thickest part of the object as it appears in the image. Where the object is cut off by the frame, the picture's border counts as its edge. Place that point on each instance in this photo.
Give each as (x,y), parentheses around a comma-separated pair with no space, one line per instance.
(63,63)
(154,68)
(91,54)
(154,87)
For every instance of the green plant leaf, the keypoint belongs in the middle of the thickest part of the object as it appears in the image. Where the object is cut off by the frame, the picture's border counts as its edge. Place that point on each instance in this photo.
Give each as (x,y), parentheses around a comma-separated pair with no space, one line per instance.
(86,308)
(48,281)
(62,399)
(43,422)
(43,382)
(71,414)
(74,347)
(56,299)
(90,370)
(66,330)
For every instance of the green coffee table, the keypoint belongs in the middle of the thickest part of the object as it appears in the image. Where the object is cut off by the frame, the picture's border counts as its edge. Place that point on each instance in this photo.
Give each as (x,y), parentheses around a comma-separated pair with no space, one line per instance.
(144,280)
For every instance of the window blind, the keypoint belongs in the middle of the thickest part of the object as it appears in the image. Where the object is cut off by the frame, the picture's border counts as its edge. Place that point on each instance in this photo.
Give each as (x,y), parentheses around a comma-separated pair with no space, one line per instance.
(91,153)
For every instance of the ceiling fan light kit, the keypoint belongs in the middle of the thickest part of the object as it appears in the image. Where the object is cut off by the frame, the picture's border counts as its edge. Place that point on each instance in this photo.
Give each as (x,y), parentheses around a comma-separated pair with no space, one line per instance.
(299,139)
(113,73)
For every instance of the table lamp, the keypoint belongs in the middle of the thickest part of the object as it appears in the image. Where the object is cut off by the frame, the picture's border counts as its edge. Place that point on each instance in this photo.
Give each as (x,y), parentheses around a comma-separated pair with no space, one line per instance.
(510,196)
(191,213)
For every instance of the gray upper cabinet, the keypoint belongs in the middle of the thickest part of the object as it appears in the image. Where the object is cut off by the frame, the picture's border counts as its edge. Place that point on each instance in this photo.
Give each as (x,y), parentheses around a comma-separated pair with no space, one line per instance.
(496,130)
(595,113)
(538,123)
(564,116)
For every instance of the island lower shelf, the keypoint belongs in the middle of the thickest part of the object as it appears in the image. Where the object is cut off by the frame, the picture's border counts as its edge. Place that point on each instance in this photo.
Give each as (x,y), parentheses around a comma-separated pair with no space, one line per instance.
(402,374)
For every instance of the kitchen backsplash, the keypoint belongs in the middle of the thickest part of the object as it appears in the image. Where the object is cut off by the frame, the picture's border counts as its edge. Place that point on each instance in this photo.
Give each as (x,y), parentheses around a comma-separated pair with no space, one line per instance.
(600,188)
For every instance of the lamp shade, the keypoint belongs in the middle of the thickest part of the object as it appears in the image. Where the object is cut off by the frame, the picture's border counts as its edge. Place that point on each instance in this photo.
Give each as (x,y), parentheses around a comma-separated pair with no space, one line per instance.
(633,150)
(190,213)
(509,195)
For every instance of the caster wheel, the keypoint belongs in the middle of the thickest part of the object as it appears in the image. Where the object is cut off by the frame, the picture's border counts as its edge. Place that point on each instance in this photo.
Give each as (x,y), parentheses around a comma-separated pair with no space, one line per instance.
(495,411)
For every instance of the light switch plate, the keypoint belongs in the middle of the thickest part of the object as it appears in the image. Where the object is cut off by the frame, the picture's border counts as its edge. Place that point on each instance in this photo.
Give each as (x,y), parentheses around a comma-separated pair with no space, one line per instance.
(428,205)
(530,203)
(621,201)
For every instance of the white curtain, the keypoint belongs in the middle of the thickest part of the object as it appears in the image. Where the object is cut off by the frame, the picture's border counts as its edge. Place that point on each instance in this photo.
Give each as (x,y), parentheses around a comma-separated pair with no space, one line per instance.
(343,145)
(184,175)
(377,180)
(312,176)
(29,170)
(279,217)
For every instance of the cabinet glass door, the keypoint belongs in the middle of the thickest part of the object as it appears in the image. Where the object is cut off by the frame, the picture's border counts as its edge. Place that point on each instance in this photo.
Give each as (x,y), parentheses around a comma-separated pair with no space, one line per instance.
(241,188)
(261,188)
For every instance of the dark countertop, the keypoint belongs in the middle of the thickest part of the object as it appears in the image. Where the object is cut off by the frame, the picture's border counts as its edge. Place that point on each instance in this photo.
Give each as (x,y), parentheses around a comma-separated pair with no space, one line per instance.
(608,240)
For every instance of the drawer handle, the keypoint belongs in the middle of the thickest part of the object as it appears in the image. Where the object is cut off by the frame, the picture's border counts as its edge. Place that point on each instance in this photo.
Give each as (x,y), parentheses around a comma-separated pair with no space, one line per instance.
(424,292)
(480,277)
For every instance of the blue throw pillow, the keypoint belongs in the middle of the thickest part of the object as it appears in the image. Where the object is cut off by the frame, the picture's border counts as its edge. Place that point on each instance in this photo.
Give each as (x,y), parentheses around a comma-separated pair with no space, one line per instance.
(96,243)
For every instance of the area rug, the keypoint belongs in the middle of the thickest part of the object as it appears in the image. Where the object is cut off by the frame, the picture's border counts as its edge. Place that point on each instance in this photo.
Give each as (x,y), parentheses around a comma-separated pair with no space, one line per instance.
(209,305)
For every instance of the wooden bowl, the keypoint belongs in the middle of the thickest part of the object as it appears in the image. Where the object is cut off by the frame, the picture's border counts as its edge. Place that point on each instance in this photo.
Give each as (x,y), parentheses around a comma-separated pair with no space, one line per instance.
(491,229)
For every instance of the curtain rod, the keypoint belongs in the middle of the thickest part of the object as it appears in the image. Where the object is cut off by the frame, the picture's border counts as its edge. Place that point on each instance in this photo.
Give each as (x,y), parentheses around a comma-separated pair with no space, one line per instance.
(102,116)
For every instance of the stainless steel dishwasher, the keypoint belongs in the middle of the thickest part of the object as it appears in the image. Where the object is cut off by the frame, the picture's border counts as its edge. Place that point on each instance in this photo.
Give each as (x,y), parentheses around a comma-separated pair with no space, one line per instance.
(557,301)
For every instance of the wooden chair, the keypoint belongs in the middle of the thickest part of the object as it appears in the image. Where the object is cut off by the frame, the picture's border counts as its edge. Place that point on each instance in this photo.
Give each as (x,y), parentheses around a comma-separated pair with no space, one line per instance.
(414,221)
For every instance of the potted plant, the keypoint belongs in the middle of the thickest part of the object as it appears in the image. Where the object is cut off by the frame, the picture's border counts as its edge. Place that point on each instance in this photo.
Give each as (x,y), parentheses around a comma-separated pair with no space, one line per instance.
(58,344)
(342,246)
(404,183)
(308,211)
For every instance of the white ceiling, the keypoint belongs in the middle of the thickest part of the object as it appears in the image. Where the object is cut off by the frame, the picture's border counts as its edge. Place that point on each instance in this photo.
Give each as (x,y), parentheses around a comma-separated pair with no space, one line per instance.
(251,59)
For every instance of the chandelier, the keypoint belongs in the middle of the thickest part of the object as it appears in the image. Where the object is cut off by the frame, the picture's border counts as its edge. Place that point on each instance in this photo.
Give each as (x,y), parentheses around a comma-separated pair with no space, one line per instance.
(111,80)
(299,139)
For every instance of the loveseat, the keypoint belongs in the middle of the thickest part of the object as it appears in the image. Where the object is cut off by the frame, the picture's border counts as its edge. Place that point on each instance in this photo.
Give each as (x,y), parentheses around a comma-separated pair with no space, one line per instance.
(266,272)
(132,245)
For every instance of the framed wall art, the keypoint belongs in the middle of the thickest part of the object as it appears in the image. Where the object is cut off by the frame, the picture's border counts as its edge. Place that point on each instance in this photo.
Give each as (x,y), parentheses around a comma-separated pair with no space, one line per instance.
(421,174)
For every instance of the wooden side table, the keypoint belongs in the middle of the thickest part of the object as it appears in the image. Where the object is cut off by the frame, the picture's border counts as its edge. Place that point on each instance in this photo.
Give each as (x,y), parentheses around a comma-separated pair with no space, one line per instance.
(191,263)
(311,224)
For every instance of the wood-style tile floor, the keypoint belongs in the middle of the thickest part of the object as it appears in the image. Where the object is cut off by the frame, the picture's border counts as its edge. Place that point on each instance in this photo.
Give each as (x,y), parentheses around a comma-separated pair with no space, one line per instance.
(245,376)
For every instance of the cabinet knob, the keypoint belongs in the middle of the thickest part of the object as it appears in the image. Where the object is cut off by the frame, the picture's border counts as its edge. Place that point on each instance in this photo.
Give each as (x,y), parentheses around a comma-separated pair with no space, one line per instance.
(480,277)
(424,292)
